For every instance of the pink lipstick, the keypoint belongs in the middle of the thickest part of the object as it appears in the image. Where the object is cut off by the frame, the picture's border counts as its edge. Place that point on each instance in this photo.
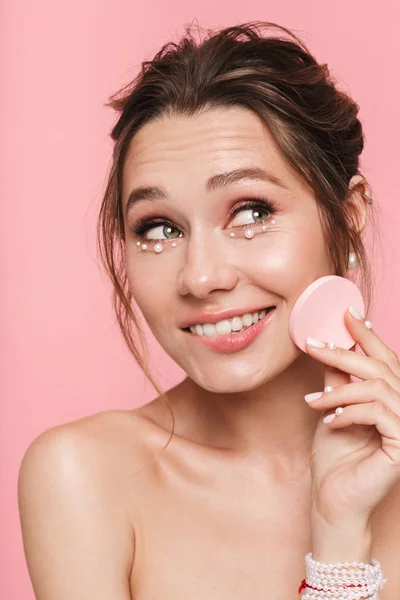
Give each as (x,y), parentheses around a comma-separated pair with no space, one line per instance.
(234,342)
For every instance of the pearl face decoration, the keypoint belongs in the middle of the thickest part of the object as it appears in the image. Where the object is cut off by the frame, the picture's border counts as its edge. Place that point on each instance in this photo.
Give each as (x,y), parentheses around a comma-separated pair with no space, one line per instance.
(159,246)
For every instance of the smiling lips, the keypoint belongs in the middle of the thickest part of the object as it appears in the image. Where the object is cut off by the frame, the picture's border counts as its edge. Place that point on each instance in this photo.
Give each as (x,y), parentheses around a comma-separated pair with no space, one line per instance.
(234,341)
(225,326)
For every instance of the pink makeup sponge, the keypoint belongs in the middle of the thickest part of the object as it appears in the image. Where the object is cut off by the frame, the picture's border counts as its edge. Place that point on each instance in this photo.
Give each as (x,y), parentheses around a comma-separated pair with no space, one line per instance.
(319,312)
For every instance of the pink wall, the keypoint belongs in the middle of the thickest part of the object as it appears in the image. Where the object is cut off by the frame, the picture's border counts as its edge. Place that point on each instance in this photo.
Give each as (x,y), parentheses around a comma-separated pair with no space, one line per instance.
(62,356)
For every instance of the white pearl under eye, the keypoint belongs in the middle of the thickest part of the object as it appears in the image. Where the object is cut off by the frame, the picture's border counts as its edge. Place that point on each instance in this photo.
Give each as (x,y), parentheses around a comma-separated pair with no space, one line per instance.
(158,246)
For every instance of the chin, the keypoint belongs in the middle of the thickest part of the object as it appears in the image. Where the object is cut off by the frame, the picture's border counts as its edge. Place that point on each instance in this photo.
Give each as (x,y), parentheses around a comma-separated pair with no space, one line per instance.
(230,387)
(234,378)
(237,372)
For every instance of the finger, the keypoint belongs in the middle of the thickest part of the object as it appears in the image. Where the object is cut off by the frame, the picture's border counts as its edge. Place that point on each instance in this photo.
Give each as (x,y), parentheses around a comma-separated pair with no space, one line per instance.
(355,364)
(370,343)
(378,472)
(334,378)
(357,393)
(371,413)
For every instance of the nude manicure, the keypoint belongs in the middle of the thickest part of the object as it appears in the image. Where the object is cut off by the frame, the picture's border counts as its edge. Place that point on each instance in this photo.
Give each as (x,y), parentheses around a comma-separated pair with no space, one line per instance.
(315,343)
(353,311)
(313,396)
(329,418)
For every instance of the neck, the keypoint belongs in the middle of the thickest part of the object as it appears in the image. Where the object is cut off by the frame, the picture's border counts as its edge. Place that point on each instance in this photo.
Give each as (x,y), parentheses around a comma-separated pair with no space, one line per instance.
(271,423)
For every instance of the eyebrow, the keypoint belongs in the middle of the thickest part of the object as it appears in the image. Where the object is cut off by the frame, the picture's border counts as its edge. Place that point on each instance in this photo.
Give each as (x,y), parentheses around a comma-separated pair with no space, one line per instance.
(218,181)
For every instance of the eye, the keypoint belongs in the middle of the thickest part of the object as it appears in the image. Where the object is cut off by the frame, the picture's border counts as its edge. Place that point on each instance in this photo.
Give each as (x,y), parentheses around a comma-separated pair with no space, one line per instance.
(252,212)
(156,233)
(146,229)
(249,213)
(250,216)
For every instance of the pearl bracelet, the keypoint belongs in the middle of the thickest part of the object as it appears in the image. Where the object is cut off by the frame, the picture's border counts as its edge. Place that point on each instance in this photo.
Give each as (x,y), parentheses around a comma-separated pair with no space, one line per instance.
(332,580)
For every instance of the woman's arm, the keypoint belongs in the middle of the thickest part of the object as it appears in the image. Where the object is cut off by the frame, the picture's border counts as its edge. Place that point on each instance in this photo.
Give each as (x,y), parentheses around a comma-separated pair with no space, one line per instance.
(359,542)
(77,538)
(347,542)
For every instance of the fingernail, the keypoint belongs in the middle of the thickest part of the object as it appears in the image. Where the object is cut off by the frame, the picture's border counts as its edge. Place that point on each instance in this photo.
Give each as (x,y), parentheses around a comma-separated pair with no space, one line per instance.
(332,346)
(315,343)
(353,311)
(328,388)
(329,418)
(311,397)
(368,324)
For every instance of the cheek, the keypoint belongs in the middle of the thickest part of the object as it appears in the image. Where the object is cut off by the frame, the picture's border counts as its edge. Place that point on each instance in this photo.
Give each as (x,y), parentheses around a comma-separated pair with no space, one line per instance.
(292,261)
(151,286)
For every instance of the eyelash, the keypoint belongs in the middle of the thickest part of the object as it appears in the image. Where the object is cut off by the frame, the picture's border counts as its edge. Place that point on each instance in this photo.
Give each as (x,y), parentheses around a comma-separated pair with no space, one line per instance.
(142,226)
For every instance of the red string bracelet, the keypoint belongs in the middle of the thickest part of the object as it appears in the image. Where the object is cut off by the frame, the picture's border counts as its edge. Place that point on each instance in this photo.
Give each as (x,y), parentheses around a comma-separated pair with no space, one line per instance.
(305,585)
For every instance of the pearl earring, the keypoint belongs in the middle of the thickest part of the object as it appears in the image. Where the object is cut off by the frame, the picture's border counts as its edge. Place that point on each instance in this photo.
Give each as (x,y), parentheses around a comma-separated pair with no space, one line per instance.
(353,262)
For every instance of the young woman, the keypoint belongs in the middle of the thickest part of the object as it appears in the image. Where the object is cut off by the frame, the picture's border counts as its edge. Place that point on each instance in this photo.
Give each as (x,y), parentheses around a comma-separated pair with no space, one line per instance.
(235,183)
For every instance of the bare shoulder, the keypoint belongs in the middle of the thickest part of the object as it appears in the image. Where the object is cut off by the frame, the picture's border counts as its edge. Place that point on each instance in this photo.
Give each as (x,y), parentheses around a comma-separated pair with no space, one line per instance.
(77,527)
(102,449)
(95,441)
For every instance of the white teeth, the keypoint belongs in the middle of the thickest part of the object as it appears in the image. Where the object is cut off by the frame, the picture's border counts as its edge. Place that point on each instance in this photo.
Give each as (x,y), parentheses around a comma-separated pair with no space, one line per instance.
(227,326)
(209,329)
(223,327)
(236,324)
(247,319)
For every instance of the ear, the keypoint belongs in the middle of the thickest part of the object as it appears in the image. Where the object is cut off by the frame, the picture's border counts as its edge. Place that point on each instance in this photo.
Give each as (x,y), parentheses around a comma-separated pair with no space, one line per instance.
(359,202)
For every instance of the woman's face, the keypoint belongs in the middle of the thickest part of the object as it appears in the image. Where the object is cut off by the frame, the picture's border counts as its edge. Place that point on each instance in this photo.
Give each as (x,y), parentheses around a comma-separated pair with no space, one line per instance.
(208,270)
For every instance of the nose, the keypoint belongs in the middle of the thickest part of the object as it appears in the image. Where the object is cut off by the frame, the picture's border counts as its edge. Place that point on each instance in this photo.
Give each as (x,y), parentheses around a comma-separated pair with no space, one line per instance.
(208,266)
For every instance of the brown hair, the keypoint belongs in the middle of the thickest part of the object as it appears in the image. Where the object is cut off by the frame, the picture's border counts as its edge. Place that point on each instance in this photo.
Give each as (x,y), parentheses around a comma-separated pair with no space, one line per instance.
(313,123)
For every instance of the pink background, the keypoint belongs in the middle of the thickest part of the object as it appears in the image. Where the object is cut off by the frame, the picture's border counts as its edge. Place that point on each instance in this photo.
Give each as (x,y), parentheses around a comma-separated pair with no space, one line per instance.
(62,356)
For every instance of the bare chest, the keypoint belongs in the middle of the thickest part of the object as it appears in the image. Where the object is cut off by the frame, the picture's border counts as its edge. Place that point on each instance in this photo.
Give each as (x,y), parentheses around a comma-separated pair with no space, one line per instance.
(216,545)
(207,530)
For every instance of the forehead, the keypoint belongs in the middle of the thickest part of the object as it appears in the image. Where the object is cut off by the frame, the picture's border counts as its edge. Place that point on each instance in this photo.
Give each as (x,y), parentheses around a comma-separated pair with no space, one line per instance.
(180,150)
